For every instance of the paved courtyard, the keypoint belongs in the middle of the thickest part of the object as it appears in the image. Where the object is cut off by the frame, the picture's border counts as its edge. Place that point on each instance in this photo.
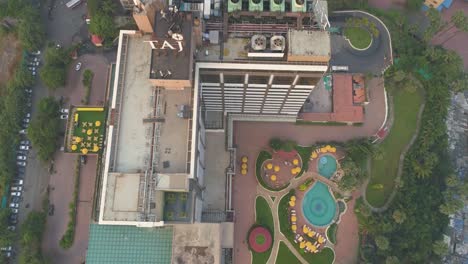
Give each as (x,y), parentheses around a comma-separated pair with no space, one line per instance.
(251,137)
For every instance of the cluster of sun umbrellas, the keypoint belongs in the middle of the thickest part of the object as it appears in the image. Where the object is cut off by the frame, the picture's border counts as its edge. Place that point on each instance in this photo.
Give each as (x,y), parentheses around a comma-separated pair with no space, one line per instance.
(244,160)
(90,141)
(324,149)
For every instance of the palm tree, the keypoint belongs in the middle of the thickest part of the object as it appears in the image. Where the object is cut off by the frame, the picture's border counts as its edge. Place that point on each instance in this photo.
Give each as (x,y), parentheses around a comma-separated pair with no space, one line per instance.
(452,180)
(440,248)
(420,169)
(460,21)
(382,242)
(399,216)
(451,206)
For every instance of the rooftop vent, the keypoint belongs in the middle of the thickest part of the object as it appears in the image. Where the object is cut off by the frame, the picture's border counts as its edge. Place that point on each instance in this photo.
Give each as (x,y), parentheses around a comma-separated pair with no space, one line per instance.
(256,5)
(299,2)
(277,5)
(258,42)
(298,6)
(277,43)
(234,5)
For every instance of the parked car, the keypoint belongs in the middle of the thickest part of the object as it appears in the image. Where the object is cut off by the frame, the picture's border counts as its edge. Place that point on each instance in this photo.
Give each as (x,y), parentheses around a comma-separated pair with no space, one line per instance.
(16,188)
(25,142)
(16,194)
(24,147)
(15,210)
(32,68)
(16,199)
(64,116)
(13,221)
(14,205)
(33,63)
(21,163)
(33,73)
(9,248)
(83,159)
(26,120)
(64,111)
(28,115)
(22,131)
(36,53)
(51,209)
(29,91)
(17,182)
(78,66)
(11,228)
(20,157)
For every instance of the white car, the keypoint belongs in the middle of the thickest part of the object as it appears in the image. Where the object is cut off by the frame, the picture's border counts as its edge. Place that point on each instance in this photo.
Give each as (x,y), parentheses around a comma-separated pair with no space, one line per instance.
(9,248)
(78,66)
(64,116)
(11,228)
(21,157)
(24,147)
(28,90)
(14,205)
(33,73)
(16,194)
(16,188)
(21,163)
(36,53)
(64,111)
(26,120)
(25,142)
(18,182)
(32,68)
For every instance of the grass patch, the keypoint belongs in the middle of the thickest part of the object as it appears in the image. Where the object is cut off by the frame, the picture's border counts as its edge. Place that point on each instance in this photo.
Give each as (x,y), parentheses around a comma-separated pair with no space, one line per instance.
(383,172)
(323,257)
(331,233)
(67,239)
(359,37)
(304,152)
(263,217)
(285,255)
(314,123)
(85,127)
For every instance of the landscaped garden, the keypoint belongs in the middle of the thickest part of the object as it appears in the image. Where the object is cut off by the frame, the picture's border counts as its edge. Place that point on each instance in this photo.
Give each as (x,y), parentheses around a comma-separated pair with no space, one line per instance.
(285,255)
(384,169)
(359,37)
(260,236)
(85,131)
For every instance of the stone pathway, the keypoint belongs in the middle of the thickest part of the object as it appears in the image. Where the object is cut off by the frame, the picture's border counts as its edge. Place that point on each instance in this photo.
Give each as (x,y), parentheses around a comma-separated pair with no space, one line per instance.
(274,206)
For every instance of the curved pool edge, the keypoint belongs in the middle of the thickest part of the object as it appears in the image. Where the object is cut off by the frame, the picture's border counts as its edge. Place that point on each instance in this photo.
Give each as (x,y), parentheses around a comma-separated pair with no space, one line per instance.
(333,198)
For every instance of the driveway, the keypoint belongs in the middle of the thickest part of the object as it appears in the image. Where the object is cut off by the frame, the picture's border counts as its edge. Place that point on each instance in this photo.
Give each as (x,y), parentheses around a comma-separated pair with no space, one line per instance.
(373,60)
(62,180)
(251,137)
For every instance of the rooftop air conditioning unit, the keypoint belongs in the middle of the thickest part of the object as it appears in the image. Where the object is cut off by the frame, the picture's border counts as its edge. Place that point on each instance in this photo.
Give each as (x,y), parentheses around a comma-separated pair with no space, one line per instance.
(298,6)
(255,5)
(277,5)
(234,5)
(277,43)
(258,42)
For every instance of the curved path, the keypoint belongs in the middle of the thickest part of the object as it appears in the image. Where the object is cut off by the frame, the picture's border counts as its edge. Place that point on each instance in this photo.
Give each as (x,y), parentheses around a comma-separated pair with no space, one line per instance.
(374,60)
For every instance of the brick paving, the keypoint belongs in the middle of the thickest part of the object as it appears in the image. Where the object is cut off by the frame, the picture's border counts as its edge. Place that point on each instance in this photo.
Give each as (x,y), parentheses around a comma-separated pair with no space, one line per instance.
(347,237)
(251,137)
(62,180)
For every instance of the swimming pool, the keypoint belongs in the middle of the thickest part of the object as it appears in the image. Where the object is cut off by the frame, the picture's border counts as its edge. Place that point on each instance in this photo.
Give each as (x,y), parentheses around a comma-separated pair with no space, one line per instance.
(326,166)
(318,205)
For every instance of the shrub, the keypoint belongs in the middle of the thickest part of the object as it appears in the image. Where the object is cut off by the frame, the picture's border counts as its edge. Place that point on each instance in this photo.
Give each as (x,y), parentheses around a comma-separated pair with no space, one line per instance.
(275,143)
(288,145)
(306,184)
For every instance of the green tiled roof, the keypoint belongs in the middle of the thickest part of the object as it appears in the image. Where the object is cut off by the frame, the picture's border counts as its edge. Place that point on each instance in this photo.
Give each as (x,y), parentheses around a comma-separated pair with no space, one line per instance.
(129,244)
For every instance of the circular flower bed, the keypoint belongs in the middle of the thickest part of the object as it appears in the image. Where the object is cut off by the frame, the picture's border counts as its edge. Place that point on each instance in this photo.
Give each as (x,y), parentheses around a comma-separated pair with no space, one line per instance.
(260,239)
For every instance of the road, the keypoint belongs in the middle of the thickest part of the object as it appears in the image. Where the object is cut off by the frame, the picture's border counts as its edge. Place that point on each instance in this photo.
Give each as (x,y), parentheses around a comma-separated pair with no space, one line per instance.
(373,60)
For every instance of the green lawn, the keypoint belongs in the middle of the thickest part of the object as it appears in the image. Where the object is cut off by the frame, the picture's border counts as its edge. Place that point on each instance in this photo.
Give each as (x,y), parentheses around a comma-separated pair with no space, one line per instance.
(285,255)
(323,257)
(384,171)
(263,217)
(359,37)
(86,123)
(304,152)
(331,233)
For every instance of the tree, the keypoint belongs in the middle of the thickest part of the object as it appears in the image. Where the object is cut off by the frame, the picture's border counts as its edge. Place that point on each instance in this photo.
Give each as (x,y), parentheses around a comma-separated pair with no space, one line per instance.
(31,33)
(32,229)
(460,84)
(399,216)
(103,25)
(458,20)
(382,242)
(414,4)
(452,181)
(56,56)
(451,205)
(6,236)
(52,76)
(440,248)
(347,183)
(392,260)
(45,128)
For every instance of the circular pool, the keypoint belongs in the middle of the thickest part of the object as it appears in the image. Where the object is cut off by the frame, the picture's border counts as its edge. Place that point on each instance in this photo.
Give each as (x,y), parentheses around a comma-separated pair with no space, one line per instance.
(319,206)
(326,166)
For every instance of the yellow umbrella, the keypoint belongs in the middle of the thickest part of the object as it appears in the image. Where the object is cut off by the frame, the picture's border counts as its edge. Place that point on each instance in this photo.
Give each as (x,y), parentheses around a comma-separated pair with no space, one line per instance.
(309,244)
(333,150)
(293,171)
(84,151)
(293,198)
(244,166)
(291,203)
(95,148)
(313,248)
(314,155)
(243,171)
(294,227)
(89,132)
(74,147)
(273,177)
(323,150)
(328,147)
(302,244)
(97,123)
(269,166)
(310,234)
(298,169)
(277,168)
(244,159)
(305,229)
(295,161)
(321,239)
(293,218)
(78,139)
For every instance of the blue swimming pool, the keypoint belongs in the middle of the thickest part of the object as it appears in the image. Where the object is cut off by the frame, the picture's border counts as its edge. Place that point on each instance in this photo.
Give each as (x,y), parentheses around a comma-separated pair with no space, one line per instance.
(318,205)
(326,166)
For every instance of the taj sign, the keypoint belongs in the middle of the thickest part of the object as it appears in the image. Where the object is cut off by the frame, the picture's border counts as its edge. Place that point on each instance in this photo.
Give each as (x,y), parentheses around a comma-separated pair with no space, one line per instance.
(174,43)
